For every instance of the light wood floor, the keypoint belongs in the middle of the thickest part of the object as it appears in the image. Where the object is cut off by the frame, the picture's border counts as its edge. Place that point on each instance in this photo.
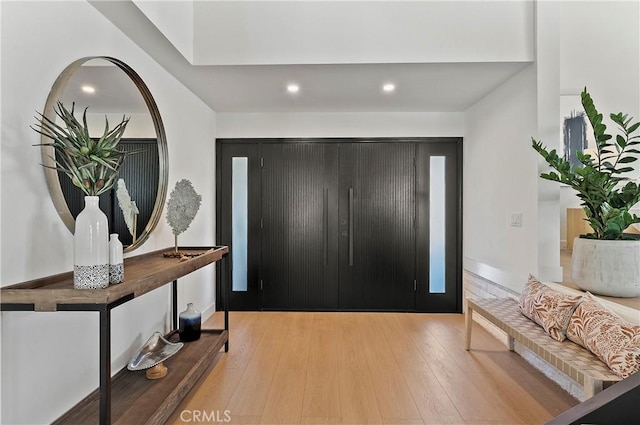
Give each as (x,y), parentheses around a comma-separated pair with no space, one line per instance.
(356,368)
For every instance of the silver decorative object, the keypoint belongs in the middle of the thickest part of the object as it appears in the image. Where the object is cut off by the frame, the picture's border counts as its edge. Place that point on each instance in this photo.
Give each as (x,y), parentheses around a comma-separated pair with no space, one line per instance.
(129,208)
(151,355)
(182,207)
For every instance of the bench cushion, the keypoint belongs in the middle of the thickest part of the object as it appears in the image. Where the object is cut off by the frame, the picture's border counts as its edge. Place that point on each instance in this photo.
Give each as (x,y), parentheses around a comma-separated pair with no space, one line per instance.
(605,334)
(570,358)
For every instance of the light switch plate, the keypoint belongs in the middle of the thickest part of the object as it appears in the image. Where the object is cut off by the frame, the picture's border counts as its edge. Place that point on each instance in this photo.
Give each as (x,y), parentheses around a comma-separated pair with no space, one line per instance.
(516,219)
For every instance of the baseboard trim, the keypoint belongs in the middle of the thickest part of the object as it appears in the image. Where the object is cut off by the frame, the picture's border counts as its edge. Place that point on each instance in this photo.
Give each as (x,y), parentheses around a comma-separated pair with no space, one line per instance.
(208,312)
(508,280)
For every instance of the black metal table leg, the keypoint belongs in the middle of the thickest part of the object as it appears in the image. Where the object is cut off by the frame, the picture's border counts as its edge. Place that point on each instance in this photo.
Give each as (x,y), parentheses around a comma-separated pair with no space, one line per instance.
(174,303)
(226,289)
(105,365)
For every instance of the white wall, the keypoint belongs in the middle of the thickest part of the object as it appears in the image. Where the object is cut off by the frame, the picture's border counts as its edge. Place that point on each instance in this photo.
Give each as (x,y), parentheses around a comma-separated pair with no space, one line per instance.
(235,125)
(585,43)
(175,20)
(243,33)
(500,178)
(49,360)
(600,49)
(547,113)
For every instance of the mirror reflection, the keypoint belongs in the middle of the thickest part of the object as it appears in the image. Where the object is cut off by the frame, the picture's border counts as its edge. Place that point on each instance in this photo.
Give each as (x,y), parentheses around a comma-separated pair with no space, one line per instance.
(109,88)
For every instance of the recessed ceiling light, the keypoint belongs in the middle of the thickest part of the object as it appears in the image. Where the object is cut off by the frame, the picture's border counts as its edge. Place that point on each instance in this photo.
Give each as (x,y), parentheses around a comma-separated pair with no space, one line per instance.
(293,88)
(88,89)
(389,87)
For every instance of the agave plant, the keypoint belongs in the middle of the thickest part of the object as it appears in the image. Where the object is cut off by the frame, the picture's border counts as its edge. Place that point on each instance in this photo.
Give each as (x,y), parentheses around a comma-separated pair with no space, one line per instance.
(607,194)
(92,164)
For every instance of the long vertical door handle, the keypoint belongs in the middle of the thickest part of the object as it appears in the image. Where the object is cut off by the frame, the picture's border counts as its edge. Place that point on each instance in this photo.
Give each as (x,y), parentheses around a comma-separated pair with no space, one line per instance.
(350,226)
(325,225)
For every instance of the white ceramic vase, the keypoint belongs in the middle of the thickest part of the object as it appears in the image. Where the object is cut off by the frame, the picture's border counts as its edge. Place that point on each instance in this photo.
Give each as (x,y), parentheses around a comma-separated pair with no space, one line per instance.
(116,261)
(603,267)
(91,247)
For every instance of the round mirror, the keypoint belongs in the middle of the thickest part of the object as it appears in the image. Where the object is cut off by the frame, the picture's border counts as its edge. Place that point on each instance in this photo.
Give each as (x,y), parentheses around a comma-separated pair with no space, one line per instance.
(111,90)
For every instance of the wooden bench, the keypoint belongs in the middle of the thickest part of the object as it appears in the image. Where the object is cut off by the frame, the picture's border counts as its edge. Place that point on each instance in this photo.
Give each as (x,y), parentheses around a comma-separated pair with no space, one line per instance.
(573,360)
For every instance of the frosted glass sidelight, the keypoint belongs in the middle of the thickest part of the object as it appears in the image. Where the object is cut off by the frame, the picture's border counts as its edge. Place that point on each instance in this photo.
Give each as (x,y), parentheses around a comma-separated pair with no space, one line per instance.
(437,225)
(239,222)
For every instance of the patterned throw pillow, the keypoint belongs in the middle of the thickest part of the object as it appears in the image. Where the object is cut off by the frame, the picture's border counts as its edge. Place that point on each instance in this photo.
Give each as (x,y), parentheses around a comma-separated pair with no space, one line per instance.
(531,289)
(552,310)
(604,333)
(548,308)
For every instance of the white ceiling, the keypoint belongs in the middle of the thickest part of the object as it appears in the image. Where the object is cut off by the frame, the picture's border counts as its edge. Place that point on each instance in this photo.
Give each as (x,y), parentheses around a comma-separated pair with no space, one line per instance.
(351,87)
(428,87)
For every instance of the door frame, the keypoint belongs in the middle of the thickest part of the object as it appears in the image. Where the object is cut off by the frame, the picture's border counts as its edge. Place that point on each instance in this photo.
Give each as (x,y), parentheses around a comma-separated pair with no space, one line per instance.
(416,140)
(435,302)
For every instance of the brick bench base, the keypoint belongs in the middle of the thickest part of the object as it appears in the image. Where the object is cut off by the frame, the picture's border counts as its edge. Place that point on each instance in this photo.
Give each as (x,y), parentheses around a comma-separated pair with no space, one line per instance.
(573,360)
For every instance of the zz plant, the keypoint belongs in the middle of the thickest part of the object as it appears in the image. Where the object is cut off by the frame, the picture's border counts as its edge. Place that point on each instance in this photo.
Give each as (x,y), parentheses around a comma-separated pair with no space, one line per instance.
(607,194)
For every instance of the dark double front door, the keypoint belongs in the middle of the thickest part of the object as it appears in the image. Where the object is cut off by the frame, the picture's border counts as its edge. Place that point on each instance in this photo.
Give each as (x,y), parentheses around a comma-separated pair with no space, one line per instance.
(340,225)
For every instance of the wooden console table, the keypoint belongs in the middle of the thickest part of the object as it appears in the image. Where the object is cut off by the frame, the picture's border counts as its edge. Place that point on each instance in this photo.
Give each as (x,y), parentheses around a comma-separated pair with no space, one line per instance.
(129,397)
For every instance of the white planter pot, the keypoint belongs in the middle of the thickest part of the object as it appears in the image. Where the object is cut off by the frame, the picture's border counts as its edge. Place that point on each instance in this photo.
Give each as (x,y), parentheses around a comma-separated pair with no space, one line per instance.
(603,267)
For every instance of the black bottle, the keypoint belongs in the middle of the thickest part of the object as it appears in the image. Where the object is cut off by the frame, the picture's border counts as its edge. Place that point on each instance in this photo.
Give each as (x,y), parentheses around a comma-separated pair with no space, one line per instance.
(190,320)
